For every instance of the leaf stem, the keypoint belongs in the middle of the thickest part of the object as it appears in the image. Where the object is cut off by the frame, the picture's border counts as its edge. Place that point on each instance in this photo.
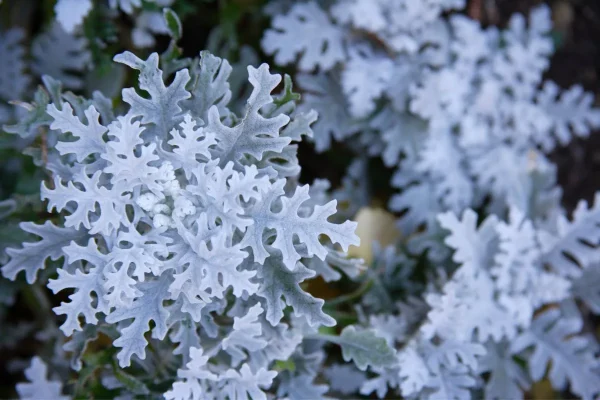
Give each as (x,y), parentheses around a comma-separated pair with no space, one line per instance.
(362,289)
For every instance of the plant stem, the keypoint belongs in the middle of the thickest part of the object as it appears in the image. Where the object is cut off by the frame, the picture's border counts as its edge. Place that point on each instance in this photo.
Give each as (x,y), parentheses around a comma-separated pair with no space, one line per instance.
(362,289)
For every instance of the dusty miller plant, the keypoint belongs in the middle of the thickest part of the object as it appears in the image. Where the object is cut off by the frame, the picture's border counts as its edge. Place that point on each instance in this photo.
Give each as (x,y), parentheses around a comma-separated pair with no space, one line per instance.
(182,226)
(463,116)
(181,238)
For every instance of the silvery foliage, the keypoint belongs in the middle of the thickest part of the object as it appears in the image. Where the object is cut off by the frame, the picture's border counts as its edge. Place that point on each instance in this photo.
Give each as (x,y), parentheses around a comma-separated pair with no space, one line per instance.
(183,224)
(462,113)
(25,62)
(13,80)
(70,14)
(62,52)
(39,387)
(61,55)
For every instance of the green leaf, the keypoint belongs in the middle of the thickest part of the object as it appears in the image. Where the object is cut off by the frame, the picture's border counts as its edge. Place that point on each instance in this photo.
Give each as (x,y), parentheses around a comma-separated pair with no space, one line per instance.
(131,383)
(287,365)
(288,93)
(173,23)
(87,376)
(365,348)
(327,330)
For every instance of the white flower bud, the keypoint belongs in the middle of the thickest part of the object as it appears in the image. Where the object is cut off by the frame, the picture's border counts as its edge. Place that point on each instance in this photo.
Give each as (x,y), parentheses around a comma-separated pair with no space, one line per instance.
(161,209)
(183,207)
(161,220)
(147,201)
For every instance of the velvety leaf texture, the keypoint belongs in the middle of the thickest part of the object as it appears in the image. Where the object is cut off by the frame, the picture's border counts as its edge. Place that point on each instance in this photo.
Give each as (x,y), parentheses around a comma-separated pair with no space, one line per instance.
(163,218)
(365,348)
(178,248)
